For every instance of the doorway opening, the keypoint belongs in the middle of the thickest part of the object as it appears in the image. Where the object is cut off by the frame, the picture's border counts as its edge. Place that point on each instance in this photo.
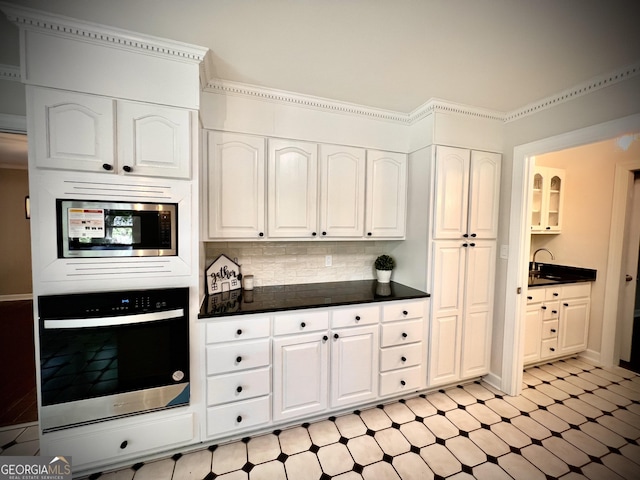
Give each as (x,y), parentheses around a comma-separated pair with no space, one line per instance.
(629,313)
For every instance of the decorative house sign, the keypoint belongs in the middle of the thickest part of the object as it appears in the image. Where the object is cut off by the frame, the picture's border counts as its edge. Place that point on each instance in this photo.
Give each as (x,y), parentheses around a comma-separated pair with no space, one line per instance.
(222,275)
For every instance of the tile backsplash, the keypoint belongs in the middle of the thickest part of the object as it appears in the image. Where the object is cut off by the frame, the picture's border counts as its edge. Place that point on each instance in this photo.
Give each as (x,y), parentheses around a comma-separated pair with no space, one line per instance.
(286,263)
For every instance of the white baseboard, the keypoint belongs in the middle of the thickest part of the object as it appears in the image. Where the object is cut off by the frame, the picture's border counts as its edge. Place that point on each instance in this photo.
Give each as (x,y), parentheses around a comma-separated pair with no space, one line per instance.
(493,380)
(592,356)
(16,296)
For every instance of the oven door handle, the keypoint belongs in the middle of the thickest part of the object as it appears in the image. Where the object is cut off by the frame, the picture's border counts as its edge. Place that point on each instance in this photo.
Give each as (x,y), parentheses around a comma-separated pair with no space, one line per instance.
(112,321)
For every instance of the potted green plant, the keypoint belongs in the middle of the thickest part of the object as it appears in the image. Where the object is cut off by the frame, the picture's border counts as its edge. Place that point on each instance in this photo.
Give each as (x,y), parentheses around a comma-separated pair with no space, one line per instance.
(384,265)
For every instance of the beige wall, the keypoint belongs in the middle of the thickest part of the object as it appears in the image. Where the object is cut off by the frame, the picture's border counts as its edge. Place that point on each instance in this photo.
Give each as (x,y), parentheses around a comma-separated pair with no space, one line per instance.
(15,238)
(586,224)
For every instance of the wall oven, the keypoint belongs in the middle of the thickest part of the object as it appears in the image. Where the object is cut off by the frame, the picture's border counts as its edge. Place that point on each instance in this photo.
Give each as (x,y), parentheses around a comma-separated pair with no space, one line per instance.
(110,354)
(94,228)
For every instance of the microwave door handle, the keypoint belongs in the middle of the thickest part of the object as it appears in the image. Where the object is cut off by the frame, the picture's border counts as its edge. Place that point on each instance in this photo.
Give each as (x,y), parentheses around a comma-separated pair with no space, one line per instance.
(112,321)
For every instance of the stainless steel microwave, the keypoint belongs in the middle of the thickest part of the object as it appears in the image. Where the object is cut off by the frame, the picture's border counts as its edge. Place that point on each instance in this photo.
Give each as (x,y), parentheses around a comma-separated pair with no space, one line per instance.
(93,228)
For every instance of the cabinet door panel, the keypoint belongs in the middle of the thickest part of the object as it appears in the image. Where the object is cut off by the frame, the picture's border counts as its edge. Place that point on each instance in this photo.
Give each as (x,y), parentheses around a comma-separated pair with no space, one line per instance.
(480,276)
(354,366)
(154,140)
(300,372)
(484,194)
(386,194)
(236,177)
(448,277)
(73,131)
(452,192)
(532,333)
(574,325)
(444,354)
(342,174)
(293,178)
(476,344)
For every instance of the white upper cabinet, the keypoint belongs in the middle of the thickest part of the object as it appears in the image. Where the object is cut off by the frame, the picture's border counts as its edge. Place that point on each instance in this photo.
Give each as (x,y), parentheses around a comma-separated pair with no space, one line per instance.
(484,194)
(153,140)
(342,187)
(74,131)
(235,197)
(547,200)
(467,188)
(386,202)
(292,189)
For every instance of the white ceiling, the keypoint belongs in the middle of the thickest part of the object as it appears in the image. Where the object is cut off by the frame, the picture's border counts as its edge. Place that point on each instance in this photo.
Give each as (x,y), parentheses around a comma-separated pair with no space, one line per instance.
(390,54)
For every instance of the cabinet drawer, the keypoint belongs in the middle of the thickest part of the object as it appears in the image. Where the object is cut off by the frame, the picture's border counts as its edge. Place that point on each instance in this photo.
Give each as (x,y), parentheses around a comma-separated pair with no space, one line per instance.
(238,356)
(549,329)
(108,444)
(576,290)
(300,323)
(552,293)
(549,348)
(238,415)
(350,317)
(234,387)
(399,381)
(401,356)
(535,295)
(401,332)
(550,310)
(245,328)
(402,310)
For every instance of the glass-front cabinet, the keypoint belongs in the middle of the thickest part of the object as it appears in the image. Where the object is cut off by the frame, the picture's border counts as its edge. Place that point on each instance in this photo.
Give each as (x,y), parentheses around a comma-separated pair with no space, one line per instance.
(547,200)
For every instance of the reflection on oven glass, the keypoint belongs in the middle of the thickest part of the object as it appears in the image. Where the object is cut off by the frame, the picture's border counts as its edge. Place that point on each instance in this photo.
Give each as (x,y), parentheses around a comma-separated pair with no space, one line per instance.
(73,370)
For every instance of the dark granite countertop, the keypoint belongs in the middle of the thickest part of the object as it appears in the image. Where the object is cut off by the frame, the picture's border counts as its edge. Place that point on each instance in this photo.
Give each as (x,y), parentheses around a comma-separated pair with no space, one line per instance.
(280,298)
(549,274)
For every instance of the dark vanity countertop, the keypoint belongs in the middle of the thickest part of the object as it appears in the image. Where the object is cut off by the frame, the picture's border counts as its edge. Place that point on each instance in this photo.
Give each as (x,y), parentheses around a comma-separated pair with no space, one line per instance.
(550,274)
(280,298)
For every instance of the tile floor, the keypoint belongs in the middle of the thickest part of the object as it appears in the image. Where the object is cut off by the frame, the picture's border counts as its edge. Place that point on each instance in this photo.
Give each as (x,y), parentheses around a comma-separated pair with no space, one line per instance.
(573,420)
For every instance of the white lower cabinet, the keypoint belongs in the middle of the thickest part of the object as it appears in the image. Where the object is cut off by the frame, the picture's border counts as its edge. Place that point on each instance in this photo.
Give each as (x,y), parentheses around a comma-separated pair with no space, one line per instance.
(556,321)
(265,370)
(238,384)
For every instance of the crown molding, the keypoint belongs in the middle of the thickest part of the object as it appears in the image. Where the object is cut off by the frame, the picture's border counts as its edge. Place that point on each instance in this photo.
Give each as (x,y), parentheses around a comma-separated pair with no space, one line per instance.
(437,105)
(590,86)
(36,20)
(216,85)
(10,73)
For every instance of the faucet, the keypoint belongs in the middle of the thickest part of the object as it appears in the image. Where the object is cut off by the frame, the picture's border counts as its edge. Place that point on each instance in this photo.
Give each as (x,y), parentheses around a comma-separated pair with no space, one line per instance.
(534,266)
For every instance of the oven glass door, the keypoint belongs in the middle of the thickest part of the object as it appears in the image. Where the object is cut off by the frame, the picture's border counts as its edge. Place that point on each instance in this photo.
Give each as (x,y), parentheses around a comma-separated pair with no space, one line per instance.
(88,361)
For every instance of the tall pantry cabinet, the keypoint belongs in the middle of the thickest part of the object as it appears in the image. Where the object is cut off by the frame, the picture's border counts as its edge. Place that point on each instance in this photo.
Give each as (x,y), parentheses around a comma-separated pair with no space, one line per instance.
(463,257)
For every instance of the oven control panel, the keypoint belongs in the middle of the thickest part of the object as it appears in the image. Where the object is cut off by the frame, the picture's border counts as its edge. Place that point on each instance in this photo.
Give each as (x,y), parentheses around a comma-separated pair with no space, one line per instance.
(123,302)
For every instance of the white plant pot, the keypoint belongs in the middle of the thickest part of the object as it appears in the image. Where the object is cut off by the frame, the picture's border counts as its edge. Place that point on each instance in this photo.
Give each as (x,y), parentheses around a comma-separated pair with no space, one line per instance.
(384,276)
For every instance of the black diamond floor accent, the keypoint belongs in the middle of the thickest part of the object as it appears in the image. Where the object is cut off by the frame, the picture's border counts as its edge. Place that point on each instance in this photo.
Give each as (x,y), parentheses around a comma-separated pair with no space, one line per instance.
(210,476)
(438,477)
(559,402)
(556,434)
(595,459)
(357,468)
(277,432)
(499,396)
(387,458)
(462,433)
(247,467)
(343,440)
(542,407)
(535,441)
(481,402)
(524,414)
(614,450)
(282,457)
(332,419)
(419,419)
(314,448)
(462,407)
(440,441)
(440,412)
(608,414)
(137,466)
(395,425)
(245,440)
(212,448)
(485,426)
(370,432)
(574,427)
(575,469)
(492,459)
(414,449)
(324,476)
(95,476)
(176,457)
(356,412)
(467,469)
(305,425)
(514,449)
(505,419)
(402,400)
